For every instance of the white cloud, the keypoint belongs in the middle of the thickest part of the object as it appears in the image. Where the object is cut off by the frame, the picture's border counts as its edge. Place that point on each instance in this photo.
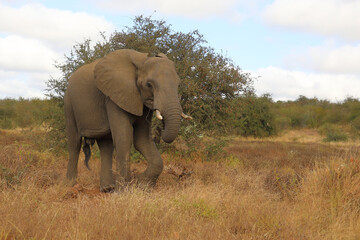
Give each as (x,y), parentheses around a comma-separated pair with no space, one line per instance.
(329,58)
(27,85)
(62,28)
(32,38)
(198,9)
(24,54)
(285,85)
(338,18)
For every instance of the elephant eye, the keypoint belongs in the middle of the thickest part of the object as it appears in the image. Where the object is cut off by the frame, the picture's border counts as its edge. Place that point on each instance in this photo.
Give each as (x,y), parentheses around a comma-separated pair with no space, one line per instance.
(148,85)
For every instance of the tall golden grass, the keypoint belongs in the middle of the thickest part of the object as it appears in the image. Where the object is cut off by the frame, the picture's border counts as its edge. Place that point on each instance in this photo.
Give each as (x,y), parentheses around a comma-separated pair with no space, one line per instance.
(261,190)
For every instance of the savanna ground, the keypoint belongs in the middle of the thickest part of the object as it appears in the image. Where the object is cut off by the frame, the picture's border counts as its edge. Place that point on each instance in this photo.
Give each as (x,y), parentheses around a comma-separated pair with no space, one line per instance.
(289,187)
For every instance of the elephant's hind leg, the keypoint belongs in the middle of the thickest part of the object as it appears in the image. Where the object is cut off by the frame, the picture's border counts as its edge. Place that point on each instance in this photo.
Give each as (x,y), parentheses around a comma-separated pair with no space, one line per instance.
(106,147)
(74,145)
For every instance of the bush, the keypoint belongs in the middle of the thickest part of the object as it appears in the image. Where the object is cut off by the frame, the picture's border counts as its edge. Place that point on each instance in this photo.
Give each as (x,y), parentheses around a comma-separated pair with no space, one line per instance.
(282,122)
(56,136)
(6,123)
(23,113)
(352,108)
(251,116)
(6,113)
(214,150)
(355,127)
(356,123)
(304,112)
(191,135)
(333,133)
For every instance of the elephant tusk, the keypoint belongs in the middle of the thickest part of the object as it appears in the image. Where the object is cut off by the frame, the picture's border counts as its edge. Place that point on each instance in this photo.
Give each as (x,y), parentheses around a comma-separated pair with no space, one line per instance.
(187,117)
(158,115)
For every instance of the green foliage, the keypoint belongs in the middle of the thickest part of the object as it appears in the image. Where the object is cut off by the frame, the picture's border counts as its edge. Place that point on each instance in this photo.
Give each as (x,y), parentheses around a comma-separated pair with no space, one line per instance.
(56,136)
(6,113)
(191,135)
(337,121)
(355,126)
(135,156)
(30,113)
(251,116)
(10,177)
(203,209)
(198,207)
(304,112)
(352,108)
(333,133)
(23,112)
(313,113)
(214,150)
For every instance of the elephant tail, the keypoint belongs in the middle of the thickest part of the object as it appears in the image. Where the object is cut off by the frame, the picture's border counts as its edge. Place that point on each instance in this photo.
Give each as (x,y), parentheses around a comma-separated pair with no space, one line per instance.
(88,142)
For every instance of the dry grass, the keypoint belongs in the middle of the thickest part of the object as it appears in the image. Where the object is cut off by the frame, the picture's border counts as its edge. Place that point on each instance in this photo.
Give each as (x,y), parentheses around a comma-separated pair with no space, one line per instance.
(262,190)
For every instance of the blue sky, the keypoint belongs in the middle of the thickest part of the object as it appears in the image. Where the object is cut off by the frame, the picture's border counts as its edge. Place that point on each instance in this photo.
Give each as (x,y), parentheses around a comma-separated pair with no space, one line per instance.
(290,47)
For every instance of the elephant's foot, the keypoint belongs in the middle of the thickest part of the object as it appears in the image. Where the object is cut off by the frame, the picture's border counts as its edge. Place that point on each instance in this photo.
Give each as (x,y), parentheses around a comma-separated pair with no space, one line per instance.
(145,181)
(70,182)
(107,188)
(107,184)
(142,181)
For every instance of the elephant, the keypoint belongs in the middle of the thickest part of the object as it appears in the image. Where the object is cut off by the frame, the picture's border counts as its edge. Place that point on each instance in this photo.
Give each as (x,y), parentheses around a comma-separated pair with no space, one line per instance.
(112,101)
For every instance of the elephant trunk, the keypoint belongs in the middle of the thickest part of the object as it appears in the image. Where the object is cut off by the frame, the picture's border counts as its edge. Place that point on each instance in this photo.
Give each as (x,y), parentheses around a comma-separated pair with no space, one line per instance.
(172,120)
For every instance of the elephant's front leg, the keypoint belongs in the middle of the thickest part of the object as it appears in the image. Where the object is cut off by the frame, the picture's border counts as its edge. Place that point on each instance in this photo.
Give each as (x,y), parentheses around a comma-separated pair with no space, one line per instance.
(106,150)
(122,135)
(145,145)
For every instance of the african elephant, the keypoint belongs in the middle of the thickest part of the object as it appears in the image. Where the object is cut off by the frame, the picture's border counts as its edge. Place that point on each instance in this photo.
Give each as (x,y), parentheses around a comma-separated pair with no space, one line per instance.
(111,101)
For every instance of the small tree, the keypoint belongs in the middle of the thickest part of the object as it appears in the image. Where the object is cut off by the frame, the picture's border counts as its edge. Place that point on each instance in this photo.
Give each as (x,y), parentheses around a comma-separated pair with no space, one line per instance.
(209,79)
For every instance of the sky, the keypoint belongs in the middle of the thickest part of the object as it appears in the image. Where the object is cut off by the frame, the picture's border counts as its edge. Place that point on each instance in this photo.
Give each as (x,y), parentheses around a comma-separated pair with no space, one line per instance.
(290,47)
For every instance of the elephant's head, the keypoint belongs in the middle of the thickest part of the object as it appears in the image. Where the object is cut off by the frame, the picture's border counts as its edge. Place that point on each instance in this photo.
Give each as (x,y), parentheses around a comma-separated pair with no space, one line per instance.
(132,79)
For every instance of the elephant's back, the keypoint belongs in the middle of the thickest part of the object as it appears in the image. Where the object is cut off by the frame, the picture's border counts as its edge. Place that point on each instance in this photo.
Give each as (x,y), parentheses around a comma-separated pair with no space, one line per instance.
(83,75)
(87,102)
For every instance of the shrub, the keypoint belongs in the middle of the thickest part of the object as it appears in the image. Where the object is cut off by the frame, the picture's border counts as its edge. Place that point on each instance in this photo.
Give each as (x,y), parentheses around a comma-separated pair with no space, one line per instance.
(356,123)
(282,122)
(191,135)
(355,127)
(6,113)
(6,123)
(56,136)
(251,116)
(301,113)
(214,150)
(10,177)
(333,133)
(23,113)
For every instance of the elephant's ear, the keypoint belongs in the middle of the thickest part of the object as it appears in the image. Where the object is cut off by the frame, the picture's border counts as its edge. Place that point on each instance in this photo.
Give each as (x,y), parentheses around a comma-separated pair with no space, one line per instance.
(115,76)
